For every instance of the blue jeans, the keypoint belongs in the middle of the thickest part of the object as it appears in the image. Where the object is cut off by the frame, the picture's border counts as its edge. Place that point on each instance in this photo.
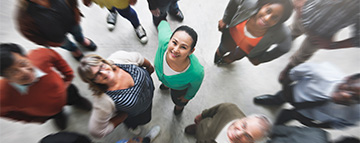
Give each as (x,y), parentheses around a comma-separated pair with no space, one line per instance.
(129,14)
(76,32)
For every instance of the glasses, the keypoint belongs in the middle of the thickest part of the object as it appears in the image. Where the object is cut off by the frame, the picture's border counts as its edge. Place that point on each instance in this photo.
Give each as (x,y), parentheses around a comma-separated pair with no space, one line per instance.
(96,77)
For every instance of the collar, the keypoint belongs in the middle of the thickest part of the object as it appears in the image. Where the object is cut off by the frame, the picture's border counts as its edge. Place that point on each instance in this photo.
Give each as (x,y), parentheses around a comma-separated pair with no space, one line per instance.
(23,89)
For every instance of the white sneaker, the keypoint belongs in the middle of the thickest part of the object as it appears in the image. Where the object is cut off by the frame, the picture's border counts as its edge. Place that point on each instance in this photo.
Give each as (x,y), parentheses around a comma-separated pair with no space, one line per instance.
(111,20)
(153,133)
(135,131)
(141,34)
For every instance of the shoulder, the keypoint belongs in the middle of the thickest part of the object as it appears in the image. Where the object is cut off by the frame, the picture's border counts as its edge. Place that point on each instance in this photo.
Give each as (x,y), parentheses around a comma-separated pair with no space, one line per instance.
(197,68)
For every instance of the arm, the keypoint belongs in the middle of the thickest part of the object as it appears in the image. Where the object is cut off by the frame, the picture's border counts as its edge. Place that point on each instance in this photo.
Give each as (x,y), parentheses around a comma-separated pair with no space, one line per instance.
(164,32)
(61,65)
(148,66)
(276,52)
(194,86)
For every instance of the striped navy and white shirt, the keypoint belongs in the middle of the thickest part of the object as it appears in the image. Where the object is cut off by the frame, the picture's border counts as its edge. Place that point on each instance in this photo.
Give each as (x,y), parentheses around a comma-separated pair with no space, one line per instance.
(326,17)
(134,100)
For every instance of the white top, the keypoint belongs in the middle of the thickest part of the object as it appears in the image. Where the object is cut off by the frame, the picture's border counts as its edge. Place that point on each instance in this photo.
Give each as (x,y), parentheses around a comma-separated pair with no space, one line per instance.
(103,106)
(222,136)
(167,69)
(247,33)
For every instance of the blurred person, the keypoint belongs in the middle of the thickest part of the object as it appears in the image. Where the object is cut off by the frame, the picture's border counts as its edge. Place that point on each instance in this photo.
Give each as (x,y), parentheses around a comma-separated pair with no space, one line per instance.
(31,90)
(176,66)
(47,22)
(159,9)
(321,97)
(226,123)
(320,20)
(149,137)
(123,91)
(125,10)
(255,29)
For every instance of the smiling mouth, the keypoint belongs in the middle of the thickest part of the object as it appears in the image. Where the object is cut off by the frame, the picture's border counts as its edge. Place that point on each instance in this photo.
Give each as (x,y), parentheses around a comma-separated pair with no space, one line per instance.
(173,55)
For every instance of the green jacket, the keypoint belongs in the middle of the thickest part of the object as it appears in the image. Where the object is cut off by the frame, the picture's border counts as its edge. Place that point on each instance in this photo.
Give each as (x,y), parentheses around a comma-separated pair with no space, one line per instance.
(191,79)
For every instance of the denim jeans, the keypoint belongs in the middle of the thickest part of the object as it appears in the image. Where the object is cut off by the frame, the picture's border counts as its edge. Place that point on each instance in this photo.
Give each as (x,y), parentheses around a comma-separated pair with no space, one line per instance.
(76,32)
(128,13)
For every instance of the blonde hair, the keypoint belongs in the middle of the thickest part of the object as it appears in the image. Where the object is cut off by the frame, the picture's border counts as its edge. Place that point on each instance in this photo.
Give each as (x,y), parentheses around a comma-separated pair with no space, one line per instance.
(86,75)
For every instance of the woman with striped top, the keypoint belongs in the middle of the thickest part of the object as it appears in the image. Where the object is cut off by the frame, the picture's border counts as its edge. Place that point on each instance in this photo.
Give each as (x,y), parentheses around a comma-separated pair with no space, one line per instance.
(123,91)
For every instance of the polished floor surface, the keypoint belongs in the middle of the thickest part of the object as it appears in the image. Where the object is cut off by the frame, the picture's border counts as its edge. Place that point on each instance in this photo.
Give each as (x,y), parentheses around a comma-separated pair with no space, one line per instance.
(236,83)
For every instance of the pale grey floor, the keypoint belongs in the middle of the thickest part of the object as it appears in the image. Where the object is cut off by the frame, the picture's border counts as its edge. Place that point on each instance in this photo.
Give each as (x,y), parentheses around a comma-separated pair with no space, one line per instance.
(237,83)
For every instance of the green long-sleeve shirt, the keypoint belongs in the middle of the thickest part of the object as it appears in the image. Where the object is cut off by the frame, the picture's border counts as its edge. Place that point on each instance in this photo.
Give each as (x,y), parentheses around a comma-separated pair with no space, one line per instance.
(190,79)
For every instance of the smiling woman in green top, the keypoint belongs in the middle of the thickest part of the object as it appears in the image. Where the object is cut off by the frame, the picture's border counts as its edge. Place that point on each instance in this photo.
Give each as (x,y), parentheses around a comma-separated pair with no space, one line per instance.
(175,65)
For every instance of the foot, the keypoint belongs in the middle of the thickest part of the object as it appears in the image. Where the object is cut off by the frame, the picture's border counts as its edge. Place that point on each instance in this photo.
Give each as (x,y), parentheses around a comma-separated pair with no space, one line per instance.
(89,44)
(163,87)
(153,133)
(191,129)
(217,58)
(268,99)
(77,54)
(135,131)
(178,15)
(111,20)
(177,111)
(61,120)
(141,34)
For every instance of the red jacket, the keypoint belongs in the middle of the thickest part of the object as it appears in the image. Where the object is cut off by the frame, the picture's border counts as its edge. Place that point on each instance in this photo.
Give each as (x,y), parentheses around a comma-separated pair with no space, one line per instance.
(45,97)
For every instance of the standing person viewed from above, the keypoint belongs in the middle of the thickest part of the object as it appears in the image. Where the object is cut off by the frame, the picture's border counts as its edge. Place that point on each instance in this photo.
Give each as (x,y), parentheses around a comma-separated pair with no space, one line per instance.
(35,87)
(125,10)
(159,9)
(226,123)
(255,29)
(46,22)
(176,66)
(320,20)
(123,91)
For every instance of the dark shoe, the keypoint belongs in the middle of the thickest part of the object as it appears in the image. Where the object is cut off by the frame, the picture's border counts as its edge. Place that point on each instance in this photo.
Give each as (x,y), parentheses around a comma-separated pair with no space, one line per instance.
(83,104)
(191,129)
(141,34)
(78,55)
(178,15)
(61,120)
(177,112)
(268,99)
(92,46)
(163,87)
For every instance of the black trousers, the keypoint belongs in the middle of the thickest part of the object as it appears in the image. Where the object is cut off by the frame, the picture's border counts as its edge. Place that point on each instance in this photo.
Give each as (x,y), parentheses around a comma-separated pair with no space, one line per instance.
(73,96)
(141,119)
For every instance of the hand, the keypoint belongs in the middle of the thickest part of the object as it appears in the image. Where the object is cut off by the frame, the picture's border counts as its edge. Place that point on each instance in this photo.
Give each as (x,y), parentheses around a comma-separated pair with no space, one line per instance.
(150,69)
(156,12)
(67,84)
(132,2)
(254,61)
(323,43)
(197,119)
(87,2)
(182,99)
(221,25)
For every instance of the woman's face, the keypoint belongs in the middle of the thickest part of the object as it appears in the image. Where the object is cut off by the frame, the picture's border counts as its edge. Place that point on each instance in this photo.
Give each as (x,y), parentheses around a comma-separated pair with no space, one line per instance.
(102,73)
(269,15)
(179,47)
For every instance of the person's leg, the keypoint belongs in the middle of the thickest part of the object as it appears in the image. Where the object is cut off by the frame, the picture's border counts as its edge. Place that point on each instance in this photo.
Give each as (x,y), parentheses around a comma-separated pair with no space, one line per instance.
(76,31)
(162,16)
(70,46)
(130,14)
(227,44)
(141,119)
(175,11)
(235,55)
(60,120)
(74,98)
(179,105)
(284,116)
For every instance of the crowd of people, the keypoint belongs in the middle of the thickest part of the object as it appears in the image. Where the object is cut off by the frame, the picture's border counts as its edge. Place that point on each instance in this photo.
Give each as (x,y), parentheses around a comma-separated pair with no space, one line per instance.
(35,86)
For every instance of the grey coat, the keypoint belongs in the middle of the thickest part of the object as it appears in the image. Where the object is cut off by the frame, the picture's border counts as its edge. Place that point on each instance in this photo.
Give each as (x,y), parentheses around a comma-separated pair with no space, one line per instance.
(238,11)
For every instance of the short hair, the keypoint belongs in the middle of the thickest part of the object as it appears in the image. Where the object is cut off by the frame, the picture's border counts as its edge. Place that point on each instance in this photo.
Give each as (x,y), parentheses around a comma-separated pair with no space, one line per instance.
(189,31)
(86,75)
(266,124)
(287,5)
(6,57)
